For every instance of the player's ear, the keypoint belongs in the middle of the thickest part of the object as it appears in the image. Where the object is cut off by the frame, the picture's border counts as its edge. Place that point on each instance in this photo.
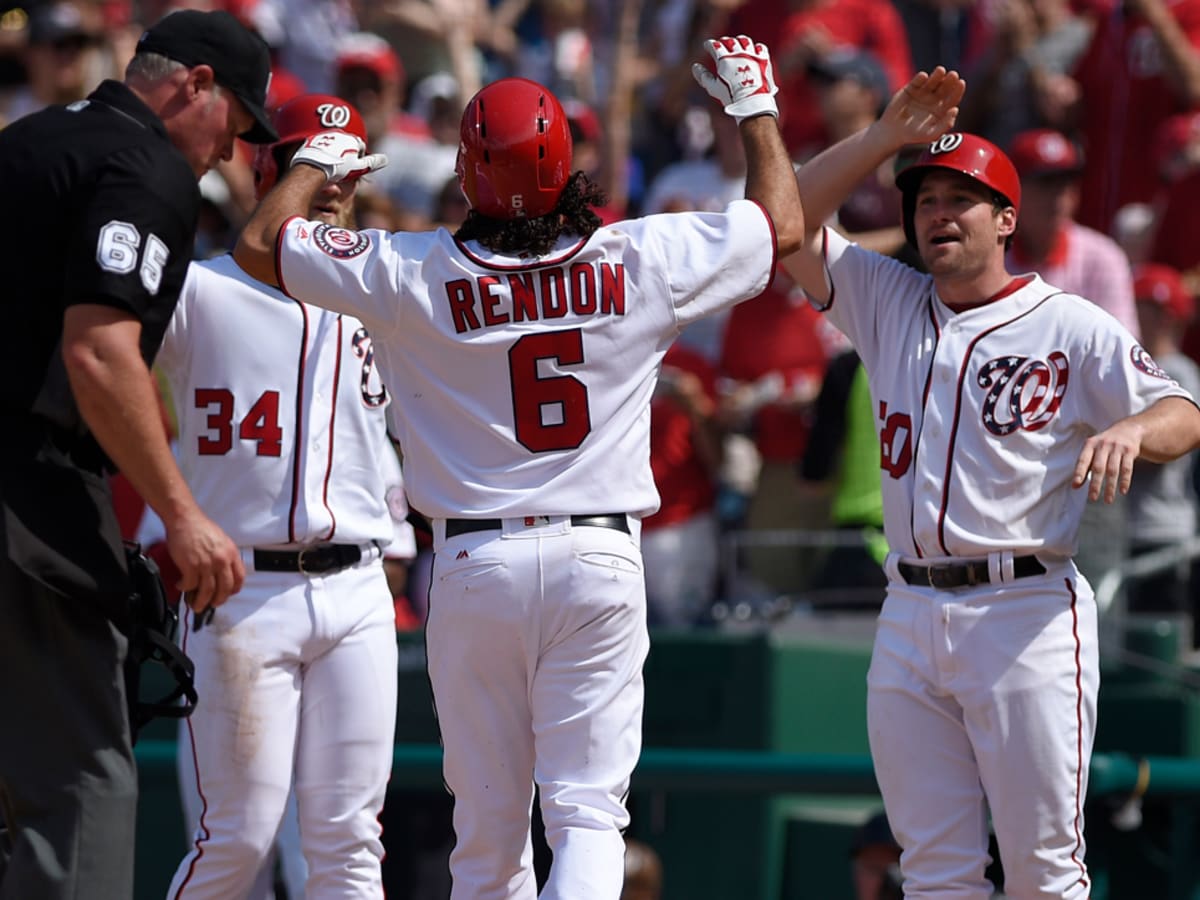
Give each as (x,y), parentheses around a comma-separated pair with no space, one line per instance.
(200,78)
(1007,221)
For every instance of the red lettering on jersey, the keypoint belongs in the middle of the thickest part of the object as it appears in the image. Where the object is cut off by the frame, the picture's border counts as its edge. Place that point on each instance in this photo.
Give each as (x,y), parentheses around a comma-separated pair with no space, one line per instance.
(612,288)
(583,289)
(462,305)
(524,297)
(487,285)
(554,294)
(895,442)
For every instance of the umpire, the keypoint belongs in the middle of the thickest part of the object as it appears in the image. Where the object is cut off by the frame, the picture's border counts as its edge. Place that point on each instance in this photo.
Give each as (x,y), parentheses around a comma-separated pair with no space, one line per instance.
(104,204)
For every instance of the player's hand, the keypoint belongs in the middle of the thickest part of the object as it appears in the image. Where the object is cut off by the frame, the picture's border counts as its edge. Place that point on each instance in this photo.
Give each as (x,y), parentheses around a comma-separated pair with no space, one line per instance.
(1106,461)
(745,82)
(925,108)
(340,155)
(210,565)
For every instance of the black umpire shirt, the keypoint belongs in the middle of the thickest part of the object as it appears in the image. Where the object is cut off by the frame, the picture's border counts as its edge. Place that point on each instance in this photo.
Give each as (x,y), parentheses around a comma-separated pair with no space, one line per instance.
(102,209)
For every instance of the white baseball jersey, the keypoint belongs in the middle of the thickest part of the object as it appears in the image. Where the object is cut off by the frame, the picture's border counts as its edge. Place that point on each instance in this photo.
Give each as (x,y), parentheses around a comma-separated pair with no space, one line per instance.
(982,415)
(282,440)
(260,464)
(465,336)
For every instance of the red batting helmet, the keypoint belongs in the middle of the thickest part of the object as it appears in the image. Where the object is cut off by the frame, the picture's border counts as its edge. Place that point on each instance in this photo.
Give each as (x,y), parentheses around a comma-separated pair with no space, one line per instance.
(300,118)
(960,152)
(514,154)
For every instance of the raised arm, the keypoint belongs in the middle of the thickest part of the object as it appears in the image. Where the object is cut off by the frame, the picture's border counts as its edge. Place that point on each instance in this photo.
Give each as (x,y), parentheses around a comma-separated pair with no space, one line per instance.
(324,157)
(920,112)
(745,86)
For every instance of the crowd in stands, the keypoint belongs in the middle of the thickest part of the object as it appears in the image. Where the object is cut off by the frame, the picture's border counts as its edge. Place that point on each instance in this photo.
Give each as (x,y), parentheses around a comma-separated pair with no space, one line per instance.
(1097,101)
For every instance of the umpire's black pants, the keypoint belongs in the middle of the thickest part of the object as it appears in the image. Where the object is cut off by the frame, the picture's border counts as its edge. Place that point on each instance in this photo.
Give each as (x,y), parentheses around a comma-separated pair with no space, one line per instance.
(68,782)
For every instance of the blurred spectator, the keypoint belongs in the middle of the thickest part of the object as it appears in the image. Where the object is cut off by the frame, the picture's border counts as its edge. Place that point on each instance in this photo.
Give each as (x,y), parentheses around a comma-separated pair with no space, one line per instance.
(852,90)
(559,52)
(710,176)
(589,153)
(305,35)
(771,365)
(1140,67)
(875,861)
(63,60)
(950,33)
(418,167)
(434,36)
(1162,504)
(807,29)
(1022,80)
(369,74)
(680,543)
(1177,159)
(702,182)
(643,872)
(1081,261)
(1050,242)
(452,205)
(842,456)
(373,209)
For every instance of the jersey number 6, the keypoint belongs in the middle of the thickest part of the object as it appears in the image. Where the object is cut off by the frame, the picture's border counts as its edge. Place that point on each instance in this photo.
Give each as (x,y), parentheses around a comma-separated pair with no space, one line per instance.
(549,413)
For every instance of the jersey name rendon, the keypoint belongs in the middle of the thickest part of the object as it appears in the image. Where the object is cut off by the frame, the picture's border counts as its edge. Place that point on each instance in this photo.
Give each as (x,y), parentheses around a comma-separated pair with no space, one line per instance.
(584,289)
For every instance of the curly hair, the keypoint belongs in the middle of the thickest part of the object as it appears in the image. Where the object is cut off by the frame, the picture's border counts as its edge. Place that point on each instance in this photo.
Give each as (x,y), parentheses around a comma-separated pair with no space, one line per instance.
(572,214)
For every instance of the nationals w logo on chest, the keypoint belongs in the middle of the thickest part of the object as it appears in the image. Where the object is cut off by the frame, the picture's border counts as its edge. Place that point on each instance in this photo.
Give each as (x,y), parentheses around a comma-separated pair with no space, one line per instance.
(1022,392)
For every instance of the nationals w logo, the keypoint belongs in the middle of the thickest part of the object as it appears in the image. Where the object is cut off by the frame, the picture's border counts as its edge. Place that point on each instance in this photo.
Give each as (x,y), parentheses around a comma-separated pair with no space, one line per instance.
(1022,392)
(374,393)
(333,115)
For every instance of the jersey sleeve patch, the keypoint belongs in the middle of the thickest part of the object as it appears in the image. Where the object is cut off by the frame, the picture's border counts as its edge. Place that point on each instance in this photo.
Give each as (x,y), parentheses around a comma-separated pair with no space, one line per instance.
(1144,362)
(340,243)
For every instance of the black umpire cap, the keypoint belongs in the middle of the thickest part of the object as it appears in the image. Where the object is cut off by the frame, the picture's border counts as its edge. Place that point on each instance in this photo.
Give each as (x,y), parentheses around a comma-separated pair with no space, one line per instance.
(239,58)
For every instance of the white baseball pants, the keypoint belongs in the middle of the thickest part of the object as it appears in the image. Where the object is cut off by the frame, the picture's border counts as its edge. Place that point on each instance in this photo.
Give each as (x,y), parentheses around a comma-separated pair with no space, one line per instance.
(984,699)
(536,639)
(297,678)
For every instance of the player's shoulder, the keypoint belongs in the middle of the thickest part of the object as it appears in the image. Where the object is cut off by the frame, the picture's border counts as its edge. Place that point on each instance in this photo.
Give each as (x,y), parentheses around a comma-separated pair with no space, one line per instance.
(220,276)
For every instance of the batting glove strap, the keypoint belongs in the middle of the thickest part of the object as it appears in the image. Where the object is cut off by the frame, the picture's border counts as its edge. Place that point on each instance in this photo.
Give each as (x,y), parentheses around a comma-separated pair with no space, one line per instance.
(339,154)
(744,82)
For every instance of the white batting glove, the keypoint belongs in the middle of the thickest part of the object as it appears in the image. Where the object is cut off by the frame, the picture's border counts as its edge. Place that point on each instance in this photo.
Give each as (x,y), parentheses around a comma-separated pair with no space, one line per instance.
(340,155)
(745,81)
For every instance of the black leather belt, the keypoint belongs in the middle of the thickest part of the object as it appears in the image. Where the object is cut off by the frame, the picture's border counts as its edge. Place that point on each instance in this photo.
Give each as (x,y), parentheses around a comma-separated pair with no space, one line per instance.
(315,560)
(945,576)
(616,521)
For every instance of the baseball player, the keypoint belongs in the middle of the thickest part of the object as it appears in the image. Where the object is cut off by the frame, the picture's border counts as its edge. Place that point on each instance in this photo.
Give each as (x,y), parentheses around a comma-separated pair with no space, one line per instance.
(1003,405)
(528,344)
(282,438)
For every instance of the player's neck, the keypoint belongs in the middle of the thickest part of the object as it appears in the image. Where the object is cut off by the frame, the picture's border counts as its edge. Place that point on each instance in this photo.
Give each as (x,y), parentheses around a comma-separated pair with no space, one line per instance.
(989,287)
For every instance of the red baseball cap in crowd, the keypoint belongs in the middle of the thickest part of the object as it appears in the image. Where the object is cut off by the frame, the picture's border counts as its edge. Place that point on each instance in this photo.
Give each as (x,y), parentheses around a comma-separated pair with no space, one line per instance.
(1042,152)
(366,50)
(1163,285)
(582,119)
